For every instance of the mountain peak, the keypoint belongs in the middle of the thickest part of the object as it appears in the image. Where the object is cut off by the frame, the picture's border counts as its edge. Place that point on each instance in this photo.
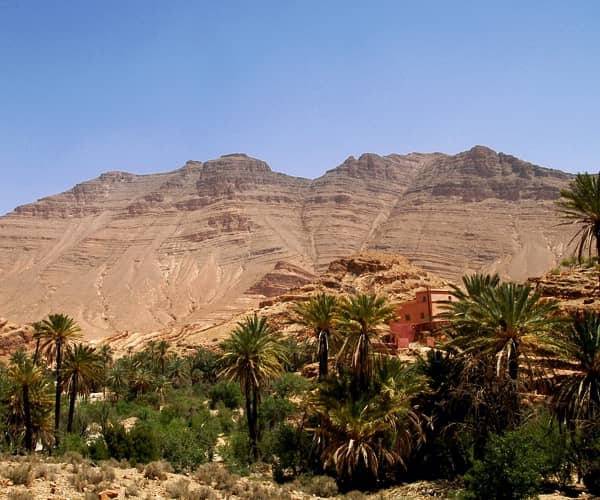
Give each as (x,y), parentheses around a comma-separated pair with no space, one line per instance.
(237,163)
(478,148)
(232,155)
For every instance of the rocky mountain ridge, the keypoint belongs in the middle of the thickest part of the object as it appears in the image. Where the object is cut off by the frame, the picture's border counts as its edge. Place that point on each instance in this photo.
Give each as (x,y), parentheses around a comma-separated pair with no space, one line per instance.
(138,253)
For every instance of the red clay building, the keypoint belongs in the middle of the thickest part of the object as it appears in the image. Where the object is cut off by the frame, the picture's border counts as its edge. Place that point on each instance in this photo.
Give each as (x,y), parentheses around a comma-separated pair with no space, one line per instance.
(418,316)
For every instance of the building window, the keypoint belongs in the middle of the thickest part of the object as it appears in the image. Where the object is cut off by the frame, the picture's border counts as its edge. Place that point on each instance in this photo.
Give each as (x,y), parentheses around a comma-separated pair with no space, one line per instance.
(424,298)
(449,298)
(422,315)
(407,317)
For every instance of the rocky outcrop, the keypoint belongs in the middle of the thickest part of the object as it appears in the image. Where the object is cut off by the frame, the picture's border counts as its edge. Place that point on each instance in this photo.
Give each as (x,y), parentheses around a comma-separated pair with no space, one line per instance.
(14,337)
(138,253)
(574,286)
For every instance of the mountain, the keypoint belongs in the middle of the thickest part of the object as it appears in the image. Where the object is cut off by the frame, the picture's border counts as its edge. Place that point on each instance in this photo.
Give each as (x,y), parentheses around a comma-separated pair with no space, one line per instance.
(128,252)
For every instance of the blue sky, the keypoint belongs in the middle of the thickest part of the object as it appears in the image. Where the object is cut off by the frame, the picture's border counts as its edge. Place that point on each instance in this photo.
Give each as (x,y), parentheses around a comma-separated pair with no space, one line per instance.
(143,86)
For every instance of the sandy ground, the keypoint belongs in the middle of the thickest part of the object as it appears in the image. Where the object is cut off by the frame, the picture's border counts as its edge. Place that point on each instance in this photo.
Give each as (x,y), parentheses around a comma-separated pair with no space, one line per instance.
(81,480)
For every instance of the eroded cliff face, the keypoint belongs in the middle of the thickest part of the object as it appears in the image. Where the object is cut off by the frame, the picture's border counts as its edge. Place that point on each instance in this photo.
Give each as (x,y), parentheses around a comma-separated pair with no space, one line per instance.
(479,211)
(128,252)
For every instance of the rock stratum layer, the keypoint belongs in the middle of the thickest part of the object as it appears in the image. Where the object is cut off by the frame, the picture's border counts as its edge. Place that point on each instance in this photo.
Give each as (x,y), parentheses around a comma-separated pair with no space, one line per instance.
(142,253)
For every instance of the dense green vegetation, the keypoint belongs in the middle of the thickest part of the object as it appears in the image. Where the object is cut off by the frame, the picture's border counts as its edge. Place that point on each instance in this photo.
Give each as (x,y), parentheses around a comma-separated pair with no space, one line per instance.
(508,404)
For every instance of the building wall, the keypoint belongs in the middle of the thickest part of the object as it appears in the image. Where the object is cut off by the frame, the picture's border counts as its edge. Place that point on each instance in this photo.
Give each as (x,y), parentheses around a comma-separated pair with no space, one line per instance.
(416,315)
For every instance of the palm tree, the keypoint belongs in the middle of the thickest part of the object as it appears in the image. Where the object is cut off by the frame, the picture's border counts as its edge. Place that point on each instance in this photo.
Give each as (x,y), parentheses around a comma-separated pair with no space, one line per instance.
(25,375)
(162,384)
(178,372)
(361,434)
(319,314)
(162,354)
(82,368)
(141,380)
(580,204)
(465,395)
(360,318)
(508,321)
(37,335)
(577,398)
(474,285)
(202,366)
(106,357)
(118,378)
(498,331)
(56,332)
(252,355)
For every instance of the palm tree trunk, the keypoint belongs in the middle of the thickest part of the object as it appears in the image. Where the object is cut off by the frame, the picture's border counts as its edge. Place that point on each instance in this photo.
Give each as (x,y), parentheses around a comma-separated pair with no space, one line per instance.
(513,366)
(37,351)
(72,403)
(323,353)
(250,416)
(28,426)
(255,422)
(513,373)
(597,235)
(58,394)
(363,362)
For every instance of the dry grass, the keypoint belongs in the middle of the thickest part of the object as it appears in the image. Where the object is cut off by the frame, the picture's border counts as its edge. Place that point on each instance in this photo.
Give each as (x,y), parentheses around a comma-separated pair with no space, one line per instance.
(216,476)
(97,477)
(19,494)
(157,470)
(260,491)
(19,474)
(320,486)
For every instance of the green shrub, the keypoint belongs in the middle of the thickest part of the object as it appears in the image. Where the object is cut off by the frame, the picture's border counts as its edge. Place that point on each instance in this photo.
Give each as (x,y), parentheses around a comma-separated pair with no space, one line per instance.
(226,392)
(181,406)
(568,262)
(117,441)
(98,450)
(289,384)
(225,418)
(293,449)
(510,469)
(183,447)
(237,450)
(273,411)
(75,443)
(144,443)
(553,450)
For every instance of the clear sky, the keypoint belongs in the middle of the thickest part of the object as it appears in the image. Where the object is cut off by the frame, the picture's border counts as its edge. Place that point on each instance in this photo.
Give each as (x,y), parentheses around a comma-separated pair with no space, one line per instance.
(143,86)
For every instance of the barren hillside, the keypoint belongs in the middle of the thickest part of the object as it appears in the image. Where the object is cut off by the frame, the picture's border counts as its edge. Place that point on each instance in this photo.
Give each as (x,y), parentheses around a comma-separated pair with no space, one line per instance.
(143,253)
